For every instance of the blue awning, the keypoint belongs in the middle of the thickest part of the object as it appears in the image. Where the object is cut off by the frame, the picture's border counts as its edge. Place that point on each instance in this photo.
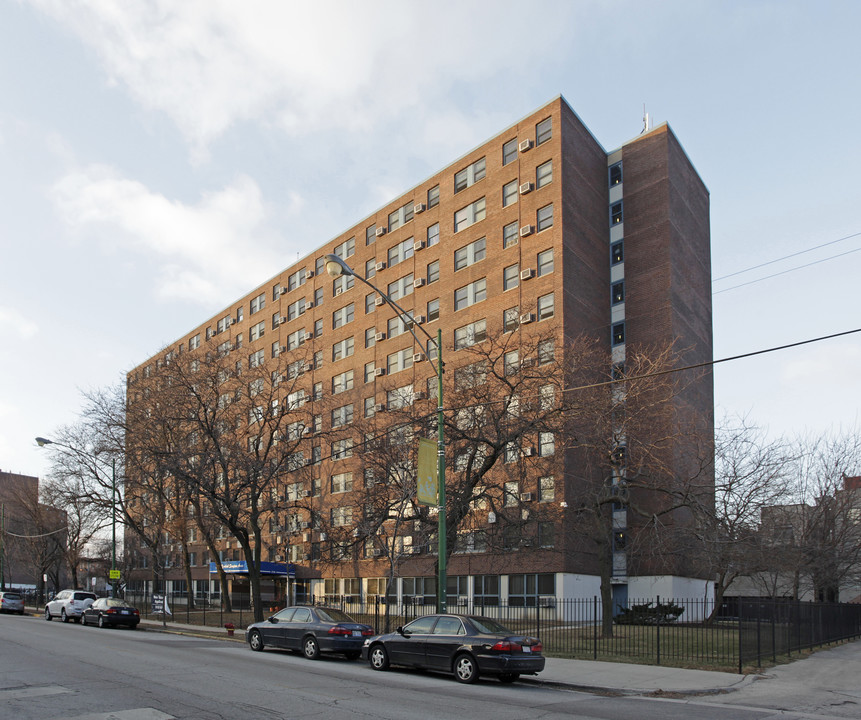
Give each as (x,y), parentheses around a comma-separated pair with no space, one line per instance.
(240,567)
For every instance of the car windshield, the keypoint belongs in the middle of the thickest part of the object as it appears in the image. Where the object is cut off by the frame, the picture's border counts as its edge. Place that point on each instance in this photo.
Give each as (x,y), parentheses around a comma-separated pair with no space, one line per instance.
(84,596)
(334,615)
(489,627)
(114,602)
(10,596)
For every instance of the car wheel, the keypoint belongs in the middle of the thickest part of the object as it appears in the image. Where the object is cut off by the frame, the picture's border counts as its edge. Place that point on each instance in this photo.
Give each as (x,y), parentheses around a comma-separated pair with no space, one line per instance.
(20,612)
(508,678)
(134,626)
(63,616)
(255,640)
(465,668)
(102,622)
(83,620)
(379,658)
(310,648)
(48,614)
(352,654)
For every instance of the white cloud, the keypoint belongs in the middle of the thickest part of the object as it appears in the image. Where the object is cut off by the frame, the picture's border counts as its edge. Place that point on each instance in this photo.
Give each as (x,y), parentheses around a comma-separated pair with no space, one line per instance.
(208,252)
(209,64)
(14,322)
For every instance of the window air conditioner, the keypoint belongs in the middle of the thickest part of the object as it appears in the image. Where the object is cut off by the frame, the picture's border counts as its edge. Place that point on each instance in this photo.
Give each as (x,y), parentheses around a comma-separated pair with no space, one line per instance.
(380,265)
(526,497)
(378,372)
(418,245)
(421,394)
(527,274)
(380,336)
(528,452)
(338,291)
(282,320)
(379,301)
(283,291)
(525,145)
(380,231)
(525,188)
(380,407)
(418,282)
(309,273)
(418,357)
(527,318)
(309,336)
(309,367)
(418,207)
(526,230)
(282,349)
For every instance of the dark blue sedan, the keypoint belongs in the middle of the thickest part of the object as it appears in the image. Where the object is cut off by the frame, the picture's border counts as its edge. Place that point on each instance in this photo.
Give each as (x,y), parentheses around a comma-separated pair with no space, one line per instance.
(311,631)
(466,645)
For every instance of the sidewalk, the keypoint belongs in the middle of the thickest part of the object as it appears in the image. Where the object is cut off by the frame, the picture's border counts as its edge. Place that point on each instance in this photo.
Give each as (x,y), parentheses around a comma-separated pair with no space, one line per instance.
(606,677)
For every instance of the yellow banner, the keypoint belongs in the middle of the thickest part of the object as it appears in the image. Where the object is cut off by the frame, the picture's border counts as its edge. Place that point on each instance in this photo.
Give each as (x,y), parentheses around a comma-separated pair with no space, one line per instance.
(427,480)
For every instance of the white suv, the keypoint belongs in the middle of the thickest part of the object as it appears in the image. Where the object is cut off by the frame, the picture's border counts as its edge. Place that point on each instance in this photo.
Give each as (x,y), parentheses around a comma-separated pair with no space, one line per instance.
(69,605)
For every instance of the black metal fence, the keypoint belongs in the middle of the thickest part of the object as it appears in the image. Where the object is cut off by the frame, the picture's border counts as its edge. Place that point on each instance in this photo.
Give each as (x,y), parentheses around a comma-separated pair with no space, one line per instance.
(679,632)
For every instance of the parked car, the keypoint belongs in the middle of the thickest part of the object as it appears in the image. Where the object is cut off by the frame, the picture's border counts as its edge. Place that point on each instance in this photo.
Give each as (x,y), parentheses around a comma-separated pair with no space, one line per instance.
(68,605)
(110,612)
(311,631)
(467,646)
(11,602)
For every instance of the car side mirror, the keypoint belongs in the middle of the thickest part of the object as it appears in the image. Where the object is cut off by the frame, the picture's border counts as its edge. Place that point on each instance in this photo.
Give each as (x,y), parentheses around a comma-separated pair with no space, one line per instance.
(272,619)
(400,631)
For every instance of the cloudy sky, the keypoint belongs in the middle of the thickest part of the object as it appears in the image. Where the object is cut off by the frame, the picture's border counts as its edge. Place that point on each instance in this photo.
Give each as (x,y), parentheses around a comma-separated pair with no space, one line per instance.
(158,159)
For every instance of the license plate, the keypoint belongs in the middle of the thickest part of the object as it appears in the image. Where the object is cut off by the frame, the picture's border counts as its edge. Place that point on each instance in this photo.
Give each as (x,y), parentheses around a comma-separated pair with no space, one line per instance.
(357,633)
(527,649)
(124,612)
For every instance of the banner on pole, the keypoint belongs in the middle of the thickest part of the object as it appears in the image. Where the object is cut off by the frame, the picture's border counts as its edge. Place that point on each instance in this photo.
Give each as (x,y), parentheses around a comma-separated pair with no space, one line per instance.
(427,479)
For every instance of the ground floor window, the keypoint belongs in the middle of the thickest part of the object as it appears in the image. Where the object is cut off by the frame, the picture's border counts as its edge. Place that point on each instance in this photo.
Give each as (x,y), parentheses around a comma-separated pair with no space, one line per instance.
(524,590)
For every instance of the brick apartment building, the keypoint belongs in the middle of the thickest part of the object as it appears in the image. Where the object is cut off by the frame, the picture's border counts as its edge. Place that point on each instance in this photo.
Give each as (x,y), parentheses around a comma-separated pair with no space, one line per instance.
(539,229)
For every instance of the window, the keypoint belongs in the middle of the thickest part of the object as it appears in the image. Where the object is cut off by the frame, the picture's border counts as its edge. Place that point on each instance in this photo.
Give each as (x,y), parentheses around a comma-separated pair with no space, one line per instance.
(546,489)
(544,174)
(617,252)
(546,351)
(295,339)
(370,234)
(318,297)
(619,333)
(257,358)
(510,235)
(400,360)
(433,235)
(469,175)
(472,213)
(400,398)
(470,294)
(342,316)
(470,334)
(433,196)
(342,416)
(433,272)
(617,293)
(342,349)
(511,277)
(616,213)
(258,303)
(511,452)
(276,320)
(318,328)
(369,412)
(370,304)
(509,193)
(342,449)
(400,252)
(546,444)
(511,362)
(400,288)
(510,319)
(222,324)
(433,310)
(370,268)
(469,254)
(545,307)
(342,284)
(318,359)
(320,266)
(341,516)
(546,397)
(615,174)
(524,590)
(276,291)
(257,331)
(345,249)
(544,217)
(509,151)
(369,372)
(296,279)
(295,399)
(194,342)
(401,216)
(543,131)
(545,262)
(396,326)
(370,337)
(276,349)
(546,531)
(341,482)
(343,382)
(511,493)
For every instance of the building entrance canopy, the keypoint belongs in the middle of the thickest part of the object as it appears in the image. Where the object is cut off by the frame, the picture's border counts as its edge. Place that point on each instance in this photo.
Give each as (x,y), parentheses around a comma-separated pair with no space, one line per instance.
(240,567)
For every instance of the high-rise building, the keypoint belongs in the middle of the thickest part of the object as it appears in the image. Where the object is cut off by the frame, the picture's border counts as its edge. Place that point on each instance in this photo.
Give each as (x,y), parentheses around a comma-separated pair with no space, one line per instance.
(538,232)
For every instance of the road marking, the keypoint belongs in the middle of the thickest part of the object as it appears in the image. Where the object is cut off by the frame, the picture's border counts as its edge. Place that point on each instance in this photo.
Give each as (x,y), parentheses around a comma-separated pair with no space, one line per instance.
(135,714)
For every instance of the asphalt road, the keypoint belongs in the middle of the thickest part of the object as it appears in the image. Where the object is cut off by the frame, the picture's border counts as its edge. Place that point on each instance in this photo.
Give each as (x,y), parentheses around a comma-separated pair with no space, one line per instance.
(54,671)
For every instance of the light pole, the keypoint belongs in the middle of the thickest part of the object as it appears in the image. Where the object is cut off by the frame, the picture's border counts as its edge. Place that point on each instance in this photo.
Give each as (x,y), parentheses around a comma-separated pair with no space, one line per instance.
(114,575)
(336,267)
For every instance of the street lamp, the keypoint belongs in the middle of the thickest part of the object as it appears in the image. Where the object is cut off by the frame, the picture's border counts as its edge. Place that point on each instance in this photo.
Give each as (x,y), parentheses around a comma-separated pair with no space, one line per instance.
(336,267)
(41,442)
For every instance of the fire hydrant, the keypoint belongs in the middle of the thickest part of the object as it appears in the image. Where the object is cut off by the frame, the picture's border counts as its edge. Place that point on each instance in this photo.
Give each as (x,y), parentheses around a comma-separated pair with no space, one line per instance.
(230,628)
